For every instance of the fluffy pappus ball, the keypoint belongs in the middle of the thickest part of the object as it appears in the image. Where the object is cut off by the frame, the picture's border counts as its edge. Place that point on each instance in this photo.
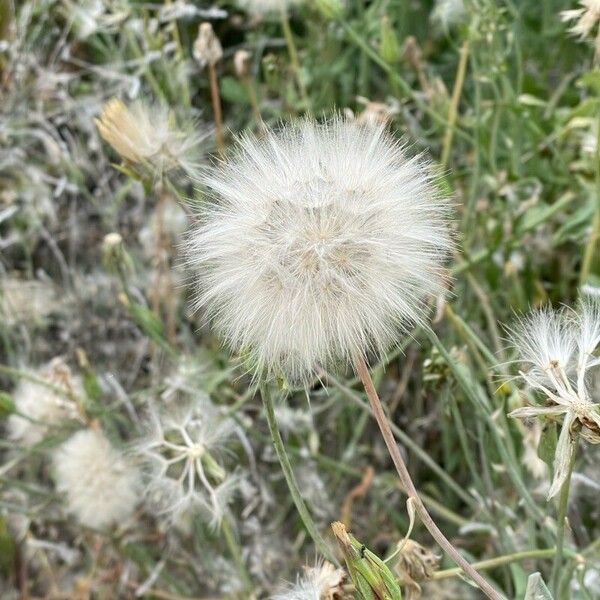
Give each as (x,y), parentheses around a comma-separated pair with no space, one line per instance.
(322,243)
(100,484)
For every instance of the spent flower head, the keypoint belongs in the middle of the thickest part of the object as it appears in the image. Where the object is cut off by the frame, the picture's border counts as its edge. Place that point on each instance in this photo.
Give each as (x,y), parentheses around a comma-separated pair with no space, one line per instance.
(146,136)
(324,242)
(560,348)
(182,455)
(100,484)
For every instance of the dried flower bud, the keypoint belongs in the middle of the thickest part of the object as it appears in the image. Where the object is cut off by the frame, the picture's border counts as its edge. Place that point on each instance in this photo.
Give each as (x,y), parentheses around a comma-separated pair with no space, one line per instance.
(415,565)
(207,47)
(241,63)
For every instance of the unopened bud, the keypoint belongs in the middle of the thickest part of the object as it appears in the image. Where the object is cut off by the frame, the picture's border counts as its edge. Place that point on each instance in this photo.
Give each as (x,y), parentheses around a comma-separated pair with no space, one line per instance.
(241,63)
(207,47)
(390,47)
(114,254)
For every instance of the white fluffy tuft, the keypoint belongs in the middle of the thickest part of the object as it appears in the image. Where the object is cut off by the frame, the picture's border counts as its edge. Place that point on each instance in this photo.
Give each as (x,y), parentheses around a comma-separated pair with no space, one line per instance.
(44,404)
(100,485)
(324,242)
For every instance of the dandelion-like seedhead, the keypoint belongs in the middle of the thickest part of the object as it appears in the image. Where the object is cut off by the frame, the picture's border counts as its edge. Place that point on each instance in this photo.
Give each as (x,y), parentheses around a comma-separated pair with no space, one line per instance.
(100,484)
(560,348)
(45,404)
(146,135)
(323,243)
(182,456)
(321,582)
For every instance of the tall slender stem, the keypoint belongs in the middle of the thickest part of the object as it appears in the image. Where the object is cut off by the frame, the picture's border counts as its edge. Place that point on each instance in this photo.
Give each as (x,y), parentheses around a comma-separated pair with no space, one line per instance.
(216,104)
(453,110)
(291,45)
(409,486)
(563,504)
(290,478)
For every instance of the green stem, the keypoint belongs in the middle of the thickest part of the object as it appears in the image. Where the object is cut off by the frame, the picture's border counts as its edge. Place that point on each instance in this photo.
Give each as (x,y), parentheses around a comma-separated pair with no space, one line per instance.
(290,478)
(453,110)
(236,554)
(291,45)
(563,504)
(500,438)
(503,560)
(398,79)
(590,248)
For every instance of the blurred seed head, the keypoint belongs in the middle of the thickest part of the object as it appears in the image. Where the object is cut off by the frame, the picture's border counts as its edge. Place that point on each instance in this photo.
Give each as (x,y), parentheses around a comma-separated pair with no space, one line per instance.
(43,406)
(100,485)
(449,13)
(26,301)
(585,19)
(147,137)
(321,582)
(182,454)
(241,63)
(207,47)
(323,243)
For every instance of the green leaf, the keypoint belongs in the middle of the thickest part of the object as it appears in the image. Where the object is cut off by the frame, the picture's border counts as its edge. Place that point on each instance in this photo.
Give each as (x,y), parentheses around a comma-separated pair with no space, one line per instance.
(7,547)
(7,406)
(233,91)
(547,446)
(537,589)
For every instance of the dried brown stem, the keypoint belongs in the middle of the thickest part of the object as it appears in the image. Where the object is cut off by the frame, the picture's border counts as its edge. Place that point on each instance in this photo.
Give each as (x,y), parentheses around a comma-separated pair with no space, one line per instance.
(216,104)
(409,486)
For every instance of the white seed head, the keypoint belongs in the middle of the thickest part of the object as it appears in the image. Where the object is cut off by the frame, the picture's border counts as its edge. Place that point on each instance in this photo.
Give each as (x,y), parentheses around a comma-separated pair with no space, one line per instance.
(545,342)
(560,347)
(101,486)
(182,454)
(43,406)
(449,13)
(323,244)
(321,582)
(585,17)
(146,135)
